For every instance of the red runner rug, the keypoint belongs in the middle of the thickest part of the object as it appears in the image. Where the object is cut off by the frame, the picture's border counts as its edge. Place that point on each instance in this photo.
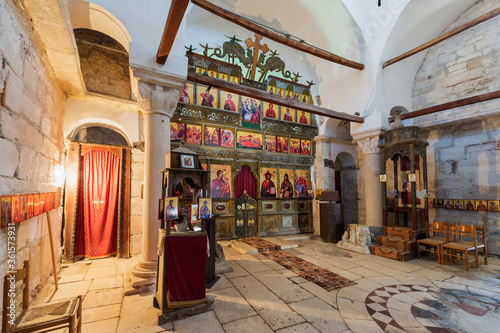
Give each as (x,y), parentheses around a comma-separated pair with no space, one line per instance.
(306,270)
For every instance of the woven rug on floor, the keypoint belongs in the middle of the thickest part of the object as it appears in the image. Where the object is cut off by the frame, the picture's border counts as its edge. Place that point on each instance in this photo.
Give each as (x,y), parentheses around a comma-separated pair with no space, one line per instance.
(260,244)
(303,268)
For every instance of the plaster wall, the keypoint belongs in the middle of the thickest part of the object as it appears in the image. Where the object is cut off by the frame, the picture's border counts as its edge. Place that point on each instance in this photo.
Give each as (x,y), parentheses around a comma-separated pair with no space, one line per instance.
(98,110)
(137,25)
(31,139)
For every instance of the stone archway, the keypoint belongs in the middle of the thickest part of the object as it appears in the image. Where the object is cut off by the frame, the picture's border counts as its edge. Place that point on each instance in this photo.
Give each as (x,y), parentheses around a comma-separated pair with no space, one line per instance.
(346,183)
(102,139)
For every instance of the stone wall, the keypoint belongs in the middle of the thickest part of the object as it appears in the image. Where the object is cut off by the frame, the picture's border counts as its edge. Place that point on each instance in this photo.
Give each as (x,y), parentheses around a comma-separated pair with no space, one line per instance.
(465,65)
(463,155)
(137,201)
(349,180)
(464,163)
(360,175)
(31,139)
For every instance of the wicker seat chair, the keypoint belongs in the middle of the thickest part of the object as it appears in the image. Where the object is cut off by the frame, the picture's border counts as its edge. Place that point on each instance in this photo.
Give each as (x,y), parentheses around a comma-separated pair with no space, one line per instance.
(40,318)
(466,238)
(437,234)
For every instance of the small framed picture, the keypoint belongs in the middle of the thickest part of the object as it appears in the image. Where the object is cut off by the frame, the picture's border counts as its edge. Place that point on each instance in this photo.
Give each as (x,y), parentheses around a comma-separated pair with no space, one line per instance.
(171,208)
(430,202)
(470,204)
(194,213)
(36,204)
(204,208)
(458,204)
(448,204)
(383,178)
(30,206)
(16,210)
(235,79)
(187,161)
(412,177)
(493,205)
(6,211)
(318,194)
(438,203)
(481,205)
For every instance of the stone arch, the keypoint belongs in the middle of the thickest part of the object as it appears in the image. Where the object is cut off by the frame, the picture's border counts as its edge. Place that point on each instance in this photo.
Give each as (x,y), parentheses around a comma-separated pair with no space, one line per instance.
(91,16)
(346,183)
(339,129)
(87,123)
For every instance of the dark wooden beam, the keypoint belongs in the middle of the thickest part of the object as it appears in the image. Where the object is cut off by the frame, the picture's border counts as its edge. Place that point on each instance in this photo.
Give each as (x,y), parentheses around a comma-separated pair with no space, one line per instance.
(174,19)
(265,96)
(245,23)
(449,34)
(450,105)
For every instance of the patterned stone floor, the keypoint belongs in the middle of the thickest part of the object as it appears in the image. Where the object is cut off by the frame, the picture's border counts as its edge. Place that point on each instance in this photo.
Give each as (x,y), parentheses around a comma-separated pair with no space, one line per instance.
(260,244)
(261,295)
(434,308)
(306,270)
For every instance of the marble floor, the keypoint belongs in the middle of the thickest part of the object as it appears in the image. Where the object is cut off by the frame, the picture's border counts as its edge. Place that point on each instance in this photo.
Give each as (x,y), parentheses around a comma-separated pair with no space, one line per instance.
(262,295)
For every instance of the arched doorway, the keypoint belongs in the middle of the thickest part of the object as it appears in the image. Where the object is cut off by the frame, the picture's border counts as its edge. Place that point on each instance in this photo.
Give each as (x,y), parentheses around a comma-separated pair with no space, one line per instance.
(97,202)
(346,173)
(245,180)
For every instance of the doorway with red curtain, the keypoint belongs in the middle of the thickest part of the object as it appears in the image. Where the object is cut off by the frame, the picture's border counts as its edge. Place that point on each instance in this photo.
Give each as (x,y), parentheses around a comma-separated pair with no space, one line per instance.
(245,180)
(97,214)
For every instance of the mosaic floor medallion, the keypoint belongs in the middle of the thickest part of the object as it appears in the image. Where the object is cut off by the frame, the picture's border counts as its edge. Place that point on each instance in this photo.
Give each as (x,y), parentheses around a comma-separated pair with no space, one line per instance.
(436,309)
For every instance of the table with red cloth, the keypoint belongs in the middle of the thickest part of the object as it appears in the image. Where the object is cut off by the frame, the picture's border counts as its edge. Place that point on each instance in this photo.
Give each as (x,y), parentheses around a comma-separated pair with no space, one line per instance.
(182,265)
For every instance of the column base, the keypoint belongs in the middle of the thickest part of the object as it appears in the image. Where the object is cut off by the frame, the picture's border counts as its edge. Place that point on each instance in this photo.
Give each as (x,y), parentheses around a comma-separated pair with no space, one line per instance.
(145,269)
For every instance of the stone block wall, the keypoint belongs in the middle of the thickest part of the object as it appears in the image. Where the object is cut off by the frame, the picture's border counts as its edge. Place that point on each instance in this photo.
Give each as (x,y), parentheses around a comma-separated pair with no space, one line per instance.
(360,183)
(465,65)
(137,201)
(464,163)
(31,139)
(463,155)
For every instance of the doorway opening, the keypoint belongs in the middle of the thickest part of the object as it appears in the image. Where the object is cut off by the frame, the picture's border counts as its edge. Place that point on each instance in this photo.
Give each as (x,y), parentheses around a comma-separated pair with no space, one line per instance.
(97,201)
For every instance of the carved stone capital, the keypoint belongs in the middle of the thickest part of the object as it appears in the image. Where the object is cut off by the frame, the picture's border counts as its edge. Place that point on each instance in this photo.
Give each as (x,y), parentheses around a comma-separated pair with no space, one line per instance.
(369,145)
(154,98)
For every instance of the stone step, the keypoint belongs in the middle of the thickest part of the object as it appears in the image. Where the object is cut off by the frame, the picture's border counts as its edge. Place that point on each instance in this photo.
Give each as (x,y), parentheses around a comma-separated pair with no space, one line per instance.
(404,232)
(392,253)
(243,248)
(397,242)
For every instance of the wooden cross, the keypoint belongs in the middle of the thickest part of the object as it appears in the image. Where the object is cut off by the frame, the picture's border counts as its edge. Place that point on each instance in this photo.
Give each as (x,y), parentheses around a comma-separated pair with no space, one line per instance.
(257,47)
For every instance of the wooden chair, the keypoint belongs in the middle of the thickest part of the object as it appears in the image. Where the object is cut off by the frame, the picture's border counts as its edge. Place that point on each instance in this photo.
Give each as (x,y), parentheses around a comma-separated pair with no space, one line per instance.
(437,234)
(47,317)
(466,238)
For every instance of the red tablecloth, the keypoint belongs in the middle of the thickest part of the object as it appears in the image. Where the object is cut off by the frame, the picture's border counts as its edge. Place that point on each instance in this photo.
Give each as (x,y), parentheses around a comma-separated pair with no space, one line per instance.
(186,269)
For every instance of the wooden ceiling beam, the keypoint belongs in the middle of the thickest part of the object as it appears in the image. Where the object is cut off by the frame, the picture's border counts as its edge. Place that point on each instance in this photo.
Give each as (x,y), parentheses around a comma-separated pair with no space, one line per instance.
(245,23)
(449,34)
(174,19)
(449,105)
(265,96)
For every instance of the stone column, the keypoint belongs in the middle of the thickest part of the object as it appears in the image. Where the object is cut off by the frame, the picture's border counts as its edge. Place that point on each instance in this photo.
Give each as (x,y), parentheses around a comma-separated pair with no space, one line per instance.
(373,189)
(324,176)
(157,103)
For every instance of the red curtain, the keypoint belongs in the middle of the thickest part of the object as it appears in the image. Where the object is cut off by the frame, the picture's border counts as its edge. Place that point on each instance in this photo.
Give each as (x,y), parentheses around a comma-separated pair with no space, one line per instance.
(245,181)
(96,227)
(406,163)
